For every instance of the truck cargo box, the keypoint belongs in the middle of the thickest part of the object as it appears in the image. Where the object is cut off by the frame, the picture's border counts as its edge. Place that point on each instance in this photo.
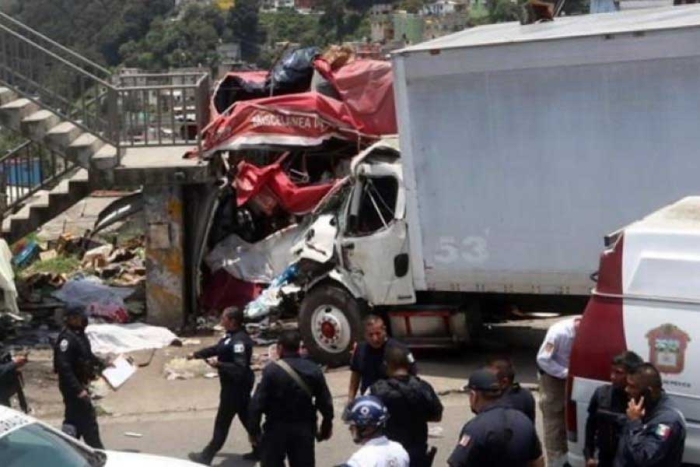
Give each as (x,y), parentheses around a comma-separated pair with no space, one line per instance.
(523,145)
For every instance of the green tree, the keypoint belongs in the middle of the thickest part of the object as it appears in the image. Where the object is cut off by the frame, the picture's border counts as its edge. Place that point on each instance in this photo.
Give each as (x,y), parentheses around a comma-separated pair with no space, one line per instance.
(190,41)
(244,27)
(502,11)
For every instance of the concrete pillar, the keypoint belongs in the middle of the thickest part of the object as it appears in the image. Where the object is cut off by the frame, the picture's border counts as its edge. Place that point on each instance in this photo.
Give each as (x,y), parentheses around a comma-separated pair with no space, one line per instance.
(165,258)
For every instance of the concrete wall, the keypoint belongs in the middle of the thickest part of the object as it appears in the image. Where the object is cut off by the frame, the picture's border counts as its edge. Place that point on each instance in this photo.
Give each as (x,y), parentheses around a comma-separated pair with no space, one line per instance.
(165,259)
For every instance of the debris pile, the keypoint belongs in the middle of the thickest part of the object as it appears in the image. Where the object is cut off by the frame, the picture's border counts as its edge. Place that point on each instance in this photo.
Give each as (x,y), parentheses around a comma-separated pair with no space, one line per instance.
(108,279)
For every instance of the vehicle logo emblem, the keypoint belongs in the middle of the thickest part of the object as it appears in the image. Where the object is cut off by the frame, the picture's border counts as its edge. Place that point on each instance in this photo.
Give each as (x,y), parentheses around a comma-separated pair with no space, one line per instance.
(667,346)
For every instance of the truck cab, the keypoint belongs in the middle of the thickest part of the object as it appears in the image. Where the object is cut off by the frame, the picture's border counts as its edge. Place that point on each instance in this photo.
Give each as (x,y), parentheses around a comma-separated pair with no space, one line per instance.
(647,300)
(359,243)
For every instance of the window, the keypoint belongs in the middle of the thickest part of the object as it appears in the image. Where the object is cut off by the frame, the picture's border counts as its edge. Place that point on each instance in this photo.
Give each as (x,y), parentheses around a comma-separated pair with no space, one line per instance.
(36,446)
(375,208)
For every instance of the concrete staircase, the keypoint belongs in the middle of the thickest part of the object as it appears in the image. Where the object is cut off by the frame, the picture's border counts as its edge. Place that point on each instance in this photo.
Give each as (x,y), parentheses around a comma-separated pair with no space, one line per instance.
(108,130)
(81,149)
(45,205)
(41,125)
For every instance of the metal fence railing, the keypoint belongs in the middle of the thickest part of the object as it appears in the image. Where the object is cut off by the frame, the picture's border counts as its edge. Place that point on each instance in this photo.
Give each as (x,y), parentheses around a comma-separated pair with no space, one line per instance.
(163,109)
(27,169)
(122,110)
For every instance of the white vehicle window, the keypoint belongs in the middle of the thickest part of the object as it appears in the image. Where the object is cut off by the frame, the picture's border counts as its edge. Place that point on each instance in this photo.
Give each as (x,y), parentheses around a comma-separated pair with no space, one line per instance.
(376,208)
(36,446)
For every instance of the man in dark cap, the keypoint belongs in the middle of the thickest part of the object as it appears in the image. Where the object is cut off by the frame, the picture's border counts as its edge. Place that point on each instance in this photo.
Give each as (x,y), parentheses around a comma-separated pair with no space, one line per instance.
(77,366)
(499,435)
(231,356)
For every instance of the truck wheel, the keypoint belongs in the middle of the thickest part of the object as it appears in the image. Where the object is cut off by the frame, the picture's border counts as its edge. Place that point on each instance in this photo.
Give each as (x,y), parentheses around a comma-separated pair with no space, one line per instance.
(329,322)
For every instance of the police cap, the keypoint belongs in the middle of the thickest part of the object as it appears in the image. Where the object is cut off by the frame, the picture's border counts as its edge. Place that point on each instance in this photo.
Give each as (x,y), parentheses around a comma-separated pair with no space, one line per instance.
(75,310)
(483,380)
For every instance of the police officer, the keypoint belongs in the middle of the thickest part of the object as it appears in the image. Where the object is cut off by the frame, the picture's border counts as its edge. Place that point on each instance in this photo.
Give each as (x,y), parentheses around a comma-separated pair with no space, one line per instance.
(411,403)
(367,417)
(367,364)
(291,391)
(606,412)
(77,366)
(654,433)
(231,356)
(9,367)
(499,435)
(513,393)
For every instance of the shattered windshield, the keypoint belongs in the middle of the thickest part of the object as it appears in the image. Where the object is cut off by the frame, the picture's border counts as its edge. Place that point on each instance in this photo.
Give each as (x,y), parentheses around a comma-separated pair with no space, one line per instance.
(334,200)
(377,203)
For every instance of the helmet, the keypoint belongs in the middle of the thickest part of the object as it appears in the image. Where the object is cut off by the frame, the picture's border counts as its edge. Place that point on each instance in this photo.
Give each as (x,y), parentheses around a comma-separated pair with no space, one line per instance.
(367,411)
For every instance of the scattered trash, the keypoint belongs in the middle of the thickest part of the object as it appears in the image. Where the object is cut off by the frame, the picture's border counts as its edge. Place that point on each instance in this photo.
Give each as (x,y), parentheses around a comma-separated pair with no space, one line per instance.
(99,299)
(131,434)
(28,253)
(435,432)
(211,375)
(125,338)
(271,297)
(181,368)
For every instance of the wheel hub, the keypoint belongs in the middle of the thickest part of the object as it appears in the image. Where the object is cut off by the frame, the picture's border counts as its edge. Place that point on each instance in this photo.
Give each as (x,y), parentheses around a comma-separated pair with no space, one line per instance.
(331,329)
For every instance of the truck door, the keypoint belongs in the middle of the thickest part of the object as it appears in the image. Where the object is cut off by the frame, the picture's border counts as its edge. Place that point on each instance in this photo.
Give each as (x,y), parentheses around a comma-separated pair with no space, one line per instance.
(375,246)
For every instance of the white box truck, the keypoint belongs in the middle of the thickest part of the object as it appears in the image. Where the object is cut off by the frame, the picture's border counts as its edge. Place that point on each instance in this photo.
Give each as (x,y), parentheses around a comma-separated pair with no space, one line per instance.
(519,148)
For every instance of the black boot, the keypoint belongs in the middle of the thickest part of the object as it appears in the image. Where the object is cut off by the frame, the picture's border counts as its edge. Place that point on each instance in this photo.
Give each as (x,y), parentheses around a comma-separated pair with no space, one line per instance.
(254,455)
(203,458)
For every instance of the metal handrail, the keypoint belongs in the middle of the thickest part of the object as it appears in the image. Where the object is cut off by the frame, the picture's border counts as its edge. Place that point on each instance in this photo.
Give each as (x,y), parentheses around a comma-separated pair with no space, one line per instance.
(55,44)
(92,98)
(56,56)
(26,169)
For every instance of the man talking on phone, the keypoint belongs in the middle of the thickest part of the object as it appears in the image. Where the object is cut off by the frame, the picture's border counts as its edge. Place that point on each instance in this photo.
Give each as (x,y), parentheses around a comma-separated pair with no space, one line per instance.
(654,435)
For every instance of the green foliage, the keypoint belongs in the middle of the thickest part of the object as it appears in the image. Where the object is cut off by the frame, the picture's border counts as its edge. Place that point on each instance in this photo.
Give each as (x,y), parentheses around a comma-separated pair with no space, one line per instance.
(58,265)
(338,24)
(412,6)
(191,41)
(290,26)
(501,11)
(96,29)
(244,27)
(9,140)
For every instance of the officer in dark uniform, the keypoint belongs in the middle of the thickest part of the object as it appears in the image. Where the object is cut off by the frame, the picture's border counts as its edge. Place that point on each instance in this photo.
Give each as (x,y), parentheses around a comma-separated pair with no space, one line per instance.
(9,367)
(77,366)
(411,403)
(654,434)
(291,391)
(499,435)
(367,365)
(513,393)
(606,412)
(231,357)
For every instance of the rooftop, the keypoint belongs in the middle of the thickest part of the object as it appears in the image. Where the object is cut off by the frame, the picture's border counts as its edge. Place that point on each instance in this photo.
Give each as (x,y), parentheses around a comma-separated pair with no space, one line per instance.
(651,19)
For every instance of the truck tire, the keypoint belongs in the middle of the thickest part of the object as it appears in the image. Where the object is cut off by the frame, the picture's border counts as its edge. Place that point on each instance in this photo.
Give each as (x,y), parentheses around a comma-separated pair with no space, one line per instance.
(329,323)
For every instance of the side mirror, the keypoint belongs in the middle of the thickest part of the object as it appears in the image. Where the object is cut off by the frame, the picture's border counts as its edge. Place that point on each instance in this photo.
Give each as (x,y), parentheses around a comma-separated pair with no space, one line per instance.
(401,265)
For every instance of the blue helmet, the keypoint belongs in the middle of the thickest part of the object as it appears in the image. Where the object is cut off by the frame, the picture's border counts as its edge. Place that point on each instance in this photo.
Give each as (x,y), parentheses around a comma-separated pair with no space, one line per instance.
(367,411)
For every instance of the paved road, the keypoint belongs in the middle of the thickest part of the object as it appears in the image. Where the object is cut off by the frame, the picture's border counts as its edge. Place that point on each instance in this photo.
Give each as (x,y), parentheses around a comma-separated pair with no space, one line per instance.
(178,434)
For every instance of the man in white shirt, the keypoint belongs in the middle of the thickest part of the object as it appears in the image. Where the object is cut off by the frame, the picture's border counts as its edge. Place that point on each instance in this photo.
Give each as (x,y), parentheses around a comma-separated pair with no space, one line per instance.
(553,365)
(367,418)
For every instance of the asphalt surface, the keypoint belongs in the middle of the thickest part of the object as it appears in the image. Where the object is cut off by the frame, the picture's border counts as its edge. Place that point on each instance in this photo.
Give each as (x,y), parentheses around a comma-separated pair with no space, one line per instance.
(176,435)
